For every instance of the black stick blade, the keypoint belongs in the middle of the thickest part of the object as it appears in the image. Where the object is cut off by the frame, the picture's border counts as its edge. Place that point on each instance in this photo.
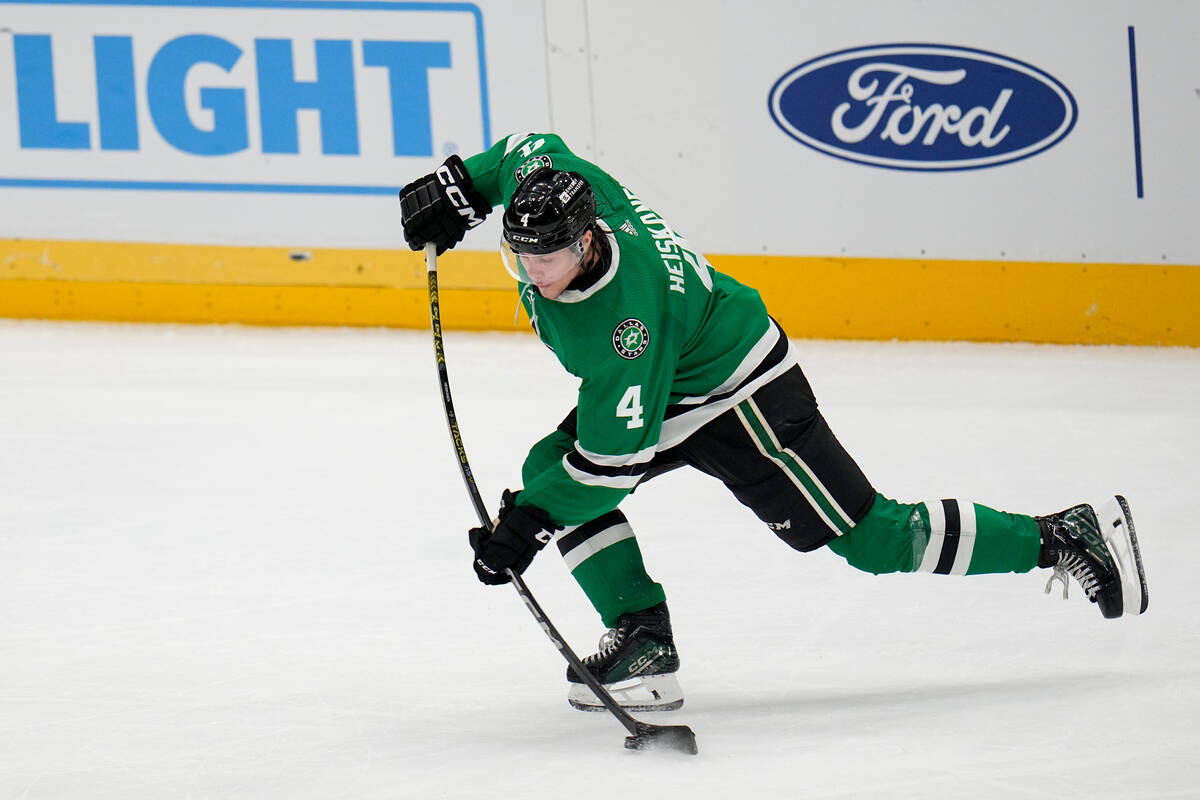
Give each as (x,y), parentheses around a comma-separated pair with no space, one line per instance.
(667,737)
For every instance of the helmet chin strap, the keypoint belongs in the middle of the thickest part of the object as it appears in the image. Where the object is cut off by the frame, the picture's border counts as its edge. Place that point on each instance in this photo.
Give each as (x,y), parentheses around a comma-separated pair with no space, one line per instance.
(578,250)
(588,257)
(598,253)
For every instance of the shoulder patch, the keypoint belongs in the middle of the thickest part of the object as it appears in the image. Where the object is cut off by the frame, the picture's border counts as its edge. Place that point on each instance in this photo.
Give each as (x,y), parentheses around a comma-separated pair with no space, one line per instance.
(630,338)
(530,164)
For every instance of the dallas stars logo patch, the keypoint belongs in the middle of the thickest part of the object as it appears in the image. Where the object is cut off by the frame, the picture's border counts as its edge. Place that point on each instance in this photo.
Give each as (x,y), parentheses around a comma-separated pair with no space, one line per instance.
(537,162)
(630,338)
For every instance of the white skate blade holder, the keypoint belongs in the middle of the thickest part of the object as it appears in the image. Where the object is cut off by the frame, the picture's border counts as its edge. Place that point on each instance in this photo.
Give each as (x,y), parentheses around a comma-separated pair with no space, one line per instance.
(643,693)
(1116,526)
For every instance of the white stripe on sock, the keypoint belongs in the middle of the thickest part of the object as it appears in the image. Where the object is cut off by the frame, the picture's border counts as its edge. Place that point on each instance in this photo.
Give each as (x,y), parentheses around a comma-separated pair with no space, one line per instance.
(966,538)
(937,536)
(594,544)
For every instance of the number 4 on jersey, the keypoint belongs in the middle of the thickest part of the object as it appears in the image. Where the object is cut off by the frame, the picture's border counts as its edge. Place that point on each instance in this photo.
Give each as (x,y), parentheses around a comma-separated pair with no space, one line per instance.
(631,407)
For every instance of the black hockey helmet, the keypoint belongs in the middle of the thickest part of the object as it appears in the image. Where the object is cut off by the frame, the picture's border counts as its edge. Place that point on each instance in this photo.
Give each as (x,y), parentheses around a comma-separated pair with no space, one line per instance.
(550,210)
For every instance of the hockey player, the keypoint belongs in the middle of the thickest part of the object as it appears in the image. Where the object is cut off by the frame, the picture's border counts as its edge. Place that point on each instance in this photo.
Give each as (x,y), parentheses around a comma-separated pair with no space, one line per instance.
(679,365)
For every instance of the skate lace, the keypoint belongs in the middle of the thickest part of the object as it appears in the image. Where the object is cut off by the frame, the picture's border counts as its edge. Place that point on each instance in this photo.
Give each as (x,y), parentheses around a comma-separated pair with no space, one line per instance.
(610,642)
(1074,565)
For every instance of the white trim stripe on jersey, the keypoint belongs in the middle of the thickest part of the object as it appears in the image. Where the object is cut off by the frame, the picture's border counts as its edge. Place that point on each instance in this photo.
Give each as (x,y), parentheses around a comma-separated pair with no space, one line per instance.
(642,456)
(591,479)
(594,544)
(952,529)
(681,426)
(757,353)
(621,471)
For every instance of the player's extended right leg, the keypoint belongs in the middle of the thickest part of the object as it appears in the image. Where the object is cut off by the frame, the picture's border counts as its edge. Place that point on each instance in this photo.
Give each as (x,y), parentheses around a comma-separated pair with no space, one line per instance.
(637,663)
(1101,552)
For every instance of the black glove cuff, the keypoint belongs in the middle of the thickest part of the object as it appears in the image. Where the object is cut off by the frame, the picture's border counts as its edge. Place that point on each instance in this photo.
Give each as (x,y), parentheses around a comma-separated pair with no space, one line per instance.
(519,533)
(530,522)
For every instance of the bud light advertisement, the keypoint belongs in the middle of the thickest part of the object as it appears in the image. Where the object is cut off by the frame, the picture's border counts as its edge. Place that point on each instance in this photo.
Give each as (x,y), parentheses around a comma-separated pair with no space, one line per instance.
(318,96)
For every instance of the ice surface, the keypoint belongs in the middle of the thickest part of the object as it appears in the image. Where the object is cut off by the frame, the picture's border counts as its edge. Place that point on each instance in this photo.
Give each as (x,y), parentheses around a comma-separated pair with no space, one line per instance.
(233,565)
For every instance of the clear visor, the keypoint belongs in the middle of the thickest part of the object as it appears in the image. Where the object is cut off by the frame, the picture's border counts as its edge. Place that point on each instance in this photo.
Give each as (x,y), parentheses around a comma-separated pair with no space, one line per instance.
(521,265)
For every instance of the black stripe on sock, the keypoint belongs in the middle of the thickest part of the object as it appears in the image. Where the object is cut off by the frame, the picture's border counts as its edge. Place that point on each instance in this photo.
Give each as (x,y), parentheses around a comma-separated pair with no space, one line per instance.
(950,543)
(589,529)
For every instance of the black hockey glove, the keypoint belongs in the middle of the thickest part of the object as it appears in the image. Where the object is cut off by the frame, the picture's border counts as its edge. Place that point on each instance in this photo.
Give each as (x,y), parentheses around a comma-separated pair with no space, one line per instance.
(520,532)
(441,206)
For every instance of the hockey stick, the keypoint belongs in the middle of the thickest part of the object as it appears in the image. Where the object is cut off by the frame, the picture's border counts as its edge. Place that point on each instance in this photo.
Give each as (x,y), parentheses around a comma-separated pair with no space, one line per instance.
(642,735)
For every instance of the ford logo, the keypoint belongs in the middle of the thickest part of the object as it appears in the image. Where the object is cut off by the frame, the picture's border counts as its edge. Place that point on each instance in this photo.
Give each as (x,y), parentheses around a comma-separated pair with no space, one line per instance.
(922,107)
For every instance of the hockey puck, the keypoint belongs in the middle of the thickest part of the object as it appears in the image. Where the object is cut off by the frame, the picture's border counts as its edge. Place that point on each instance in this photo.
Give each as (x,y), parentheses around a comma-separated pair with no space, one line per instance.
(666,737)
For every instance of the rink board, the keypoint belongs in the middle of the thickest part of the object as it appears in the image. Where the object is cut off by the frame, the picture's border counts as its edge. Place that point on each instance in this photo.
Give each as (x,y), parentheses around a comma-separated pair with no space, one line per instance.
(843,298)
(916,169)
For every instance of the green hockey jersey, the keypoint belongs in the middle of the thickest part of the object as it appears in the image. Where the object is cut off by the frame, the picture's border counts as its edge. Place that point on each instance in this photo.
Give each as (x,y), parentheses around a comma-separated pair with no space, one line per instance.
(662,343)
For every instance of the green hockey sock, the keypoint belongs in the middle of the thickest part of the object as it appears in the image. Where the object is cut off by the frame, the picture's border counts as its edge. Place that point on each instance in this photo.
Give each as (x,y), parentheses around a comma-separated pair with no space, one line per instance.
(947,537)
(606,562)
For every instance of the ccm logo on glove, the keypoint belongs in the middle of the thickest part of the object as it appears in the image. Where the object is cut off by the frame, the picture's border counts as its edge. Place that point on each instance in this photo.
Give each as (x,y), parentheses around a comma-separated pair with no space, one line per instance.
(439,208)
(457,196)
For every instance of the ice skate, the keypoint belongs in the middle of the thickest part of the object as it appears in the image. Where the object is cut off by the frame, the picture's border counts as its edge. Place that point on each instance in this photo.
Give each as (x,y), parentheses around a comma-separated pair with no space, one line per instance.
(1100,551)
(636,663)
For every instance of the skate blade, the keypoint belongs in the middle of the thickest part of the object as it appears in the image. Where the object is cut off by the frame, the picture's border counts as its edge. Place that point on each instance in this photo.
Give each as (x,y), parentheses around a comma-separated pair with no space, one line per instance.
(647,693)
(1116,526)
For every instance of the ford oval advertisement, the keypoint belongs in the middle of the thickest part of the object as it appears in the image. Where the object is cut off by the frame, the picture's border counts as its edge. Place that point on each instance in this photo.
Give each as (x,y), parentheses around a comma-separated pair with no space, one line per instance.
(922,107)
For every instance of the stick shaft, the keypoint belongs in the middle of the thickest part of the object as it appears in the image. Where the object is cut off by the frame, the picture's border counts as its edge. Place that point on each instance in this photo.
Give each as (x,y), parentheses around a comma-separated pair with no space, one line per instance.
(631,724)
(439,353)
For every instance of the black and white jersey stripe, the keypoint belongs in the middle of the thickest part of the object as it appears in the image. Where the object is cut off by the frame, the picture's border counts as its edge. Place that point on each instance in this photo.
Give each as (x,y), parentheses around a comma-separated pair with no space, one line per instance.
(616,472)
(771,356)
